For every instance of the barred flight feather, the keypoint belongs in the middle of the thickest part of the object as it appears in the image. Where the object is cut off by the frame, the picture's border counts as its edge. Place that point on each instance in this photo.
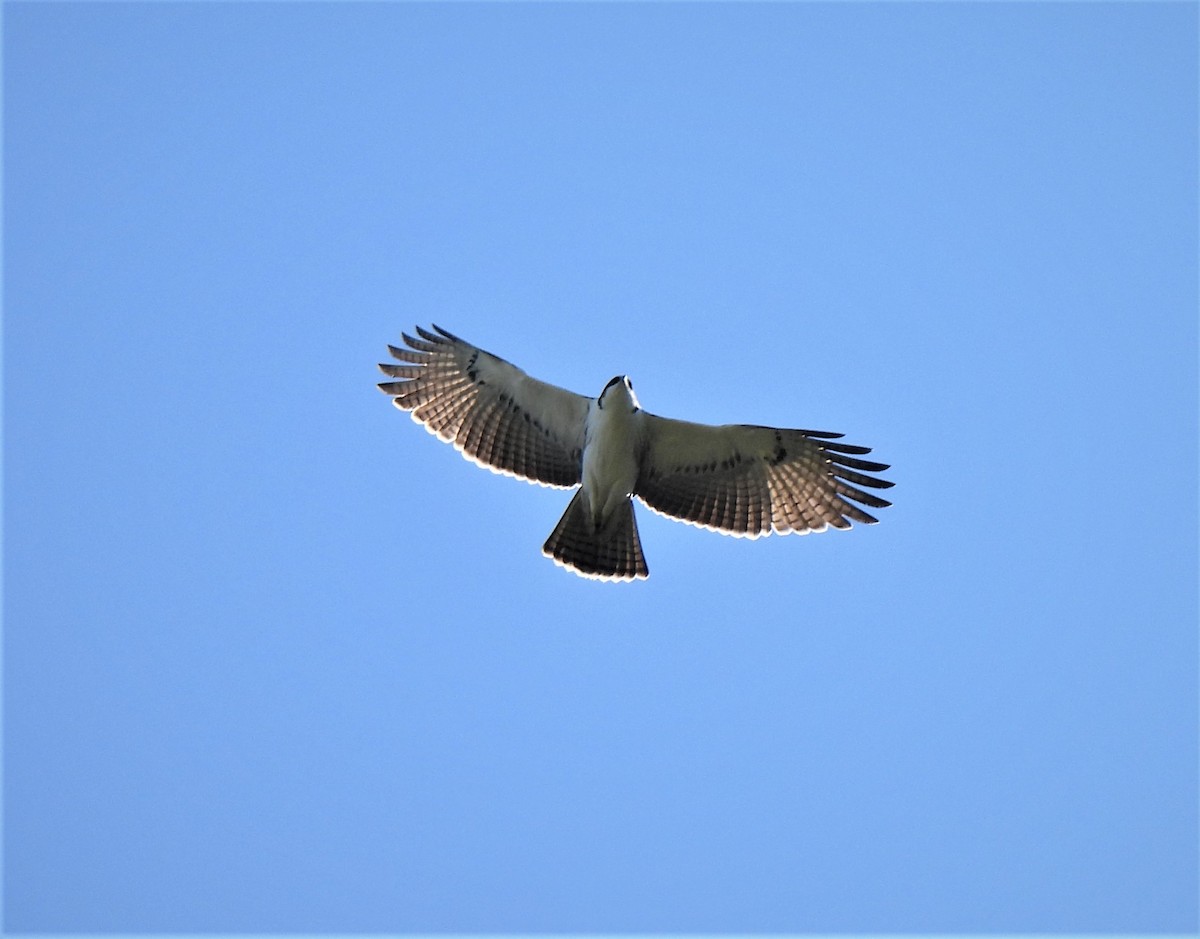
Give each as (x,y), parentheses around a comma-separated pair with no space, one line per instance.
(471,399)
(756,480)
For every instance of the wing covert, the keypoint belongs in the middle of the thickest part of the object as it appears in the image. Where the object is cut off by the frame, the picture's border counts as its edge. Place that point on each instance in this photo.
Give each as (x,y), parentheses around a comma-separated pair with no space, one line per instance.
(749,481)
(492,412)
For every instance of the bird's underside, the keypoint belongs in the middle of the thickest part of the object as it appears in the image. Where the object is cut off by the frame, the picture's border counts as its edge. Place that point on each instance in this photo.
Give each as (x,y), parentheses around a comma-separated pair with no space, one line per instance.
(738,479)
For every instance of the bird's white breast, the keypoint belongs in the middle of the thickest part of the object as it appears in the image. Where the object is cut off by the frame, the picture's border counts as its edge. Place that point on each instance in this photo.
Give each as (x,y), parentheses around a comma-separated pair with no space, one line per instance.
(610,466)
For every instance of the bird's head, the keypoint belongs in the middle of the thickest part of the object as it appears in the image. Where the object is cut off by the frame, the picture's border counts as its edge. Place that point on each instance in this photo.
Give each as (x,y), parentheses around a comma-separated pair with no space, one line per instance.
(619,393)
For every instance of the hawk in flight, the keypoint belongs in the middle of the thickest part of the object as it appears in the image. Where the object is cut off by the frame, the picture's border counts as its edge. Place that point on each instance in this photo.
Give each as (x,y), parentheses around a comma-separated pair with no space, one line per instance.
(739,479)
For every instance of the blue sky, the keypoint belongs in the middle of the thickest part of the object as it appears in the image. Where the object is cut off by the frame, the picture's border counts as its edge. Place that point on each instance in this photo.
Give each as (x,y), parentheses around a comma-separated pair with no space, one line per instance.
(276,660)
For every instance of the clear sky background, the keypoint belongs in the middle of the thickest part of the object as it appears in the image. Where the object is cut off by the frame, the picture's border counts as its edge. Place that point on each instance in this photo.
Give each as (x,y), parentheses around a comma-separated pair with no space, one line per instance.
(277,660)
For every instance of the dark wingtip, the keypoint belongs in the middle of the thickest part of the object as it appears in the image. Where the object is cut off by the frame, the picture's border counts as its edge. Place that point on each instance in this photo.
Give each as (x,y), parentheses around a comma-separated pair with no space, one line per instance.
(822,434)
(430,336)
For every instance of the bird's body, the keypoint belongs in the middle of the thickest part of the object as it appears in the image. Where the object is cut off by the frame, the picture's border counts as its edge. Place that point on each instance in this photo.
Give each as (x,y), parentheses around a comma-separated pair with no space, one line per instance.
(597,535)
(610,444)
(738,479)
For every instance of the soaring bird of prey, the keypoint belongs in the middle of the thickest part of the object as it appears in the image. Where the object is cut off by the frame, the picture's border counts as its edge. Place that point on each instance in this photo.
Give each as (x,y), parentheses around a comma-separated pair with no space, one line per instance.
(739,479)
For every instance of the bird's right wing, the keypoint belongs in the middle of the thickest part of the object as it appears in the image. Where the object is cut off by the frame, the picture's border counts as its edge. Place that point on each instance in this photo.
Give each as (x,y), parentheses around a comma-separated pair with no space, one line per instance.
(493,413)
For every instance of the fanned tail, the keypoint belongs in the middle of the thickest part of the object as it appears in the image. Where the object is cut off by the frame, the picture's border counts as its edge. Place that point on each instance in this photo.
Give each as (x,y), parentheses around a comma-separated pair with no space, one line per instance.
(611,552)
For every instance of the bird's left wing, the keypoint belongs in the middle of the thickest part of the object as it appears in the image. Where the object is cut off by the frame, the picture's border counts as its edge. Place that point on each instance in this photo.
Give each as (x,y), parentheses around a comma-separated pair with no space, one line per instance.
(495,414)
(749,481)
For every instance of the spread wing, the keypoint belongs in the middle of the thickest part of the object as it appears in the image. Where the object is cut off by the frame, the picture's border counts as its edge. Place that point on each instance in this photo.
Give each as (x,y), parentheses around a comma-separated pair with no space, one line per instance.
(493,413)
(750,481)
